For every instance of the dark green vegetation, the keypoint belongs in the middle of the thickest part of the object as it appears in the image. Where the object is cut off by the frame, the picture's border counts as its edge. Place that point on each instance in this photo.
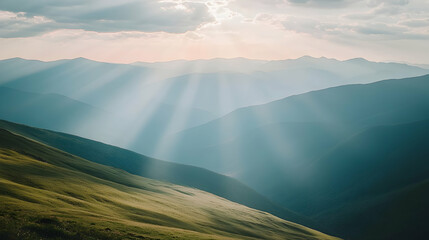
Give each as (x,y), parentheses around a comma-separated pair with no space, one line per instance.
(134,163)
(319,154)
(50,194)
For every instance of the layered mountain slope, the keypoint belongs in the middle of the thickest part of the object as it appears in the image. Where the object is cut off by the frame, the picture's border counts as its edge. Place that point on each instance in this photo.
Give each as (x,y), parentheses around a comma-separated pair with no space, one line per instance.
(74,78)
(47,193)
(352,68)
(154,101)
(294,151)
(340,111)
(109,85)
(134,163)
(60,113)
(51,111)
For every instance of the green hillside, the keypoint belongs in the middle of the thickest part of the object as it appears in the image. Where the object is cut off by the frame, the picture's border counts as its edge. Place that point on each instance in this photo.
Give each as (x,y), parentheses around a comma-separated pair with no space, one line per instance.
(141,165)
(47,193)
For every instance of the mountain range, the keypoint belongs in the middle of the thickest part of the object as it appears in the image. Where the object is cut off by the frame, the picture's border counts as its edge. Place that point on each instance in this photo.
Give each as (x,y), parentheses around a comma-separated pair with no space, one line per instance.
(321,151)
(338,146)
(152,100)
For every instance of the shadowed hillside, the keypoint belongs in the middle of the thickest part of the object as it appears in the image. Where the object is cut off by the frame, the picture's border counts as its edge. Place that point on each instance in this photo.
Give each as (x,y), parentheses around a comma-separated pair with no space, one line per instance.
(292,151)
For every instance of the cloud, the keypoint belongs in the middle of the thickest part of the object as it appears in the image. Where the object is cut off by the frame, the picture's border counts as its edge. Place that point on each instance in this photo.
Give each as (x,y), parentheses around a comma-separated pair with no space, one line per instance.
(100,16)
(380,29)
(374,3)
(20,25)
(360,31)
(320,3)
(279,5)
(416,23)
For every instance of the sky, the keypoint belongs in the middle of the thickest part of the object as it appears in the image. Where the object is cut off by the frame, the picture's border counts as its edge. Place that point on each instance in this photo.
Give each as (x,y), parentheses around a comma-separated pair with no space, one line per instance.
(126,31)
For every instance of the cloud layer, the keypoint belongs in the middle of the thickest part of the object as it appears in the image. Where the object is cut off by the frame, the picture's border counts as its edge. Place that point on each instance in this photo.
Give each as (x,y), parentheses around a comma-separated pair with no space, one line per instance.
(22,18)
(153,30)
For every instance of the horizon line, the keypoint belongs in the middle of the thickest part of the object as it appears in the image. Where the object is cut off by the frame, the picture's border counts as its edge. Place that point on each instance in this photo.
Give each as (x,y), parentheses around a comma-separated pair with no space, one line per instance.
(210,59)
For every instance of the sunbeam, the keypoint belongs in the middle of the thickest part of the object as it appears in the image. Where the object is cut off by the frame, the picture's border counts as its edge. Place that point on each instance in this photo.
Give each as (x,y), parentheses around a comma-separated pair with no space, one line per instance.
(214,119)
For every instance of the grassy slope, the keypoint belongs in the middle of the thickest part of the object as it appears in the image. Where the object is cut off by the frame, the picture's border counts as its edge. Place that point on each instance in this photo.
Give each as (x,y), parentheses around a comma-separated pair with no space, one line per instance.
(134,163)
(52,194)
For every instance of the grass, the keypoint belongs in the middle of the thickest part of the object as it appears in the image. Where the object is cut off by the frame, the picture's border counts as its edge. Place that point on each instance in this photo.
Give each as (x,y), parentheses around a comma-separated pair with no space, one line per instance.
(49,194)
(144,166)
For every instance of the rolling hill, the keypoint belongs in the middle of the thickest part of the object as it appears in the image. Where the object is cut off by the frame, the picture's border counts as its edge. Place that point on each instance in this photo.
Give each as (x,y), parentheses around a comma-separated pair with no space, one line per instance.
(137,164)
(50,194)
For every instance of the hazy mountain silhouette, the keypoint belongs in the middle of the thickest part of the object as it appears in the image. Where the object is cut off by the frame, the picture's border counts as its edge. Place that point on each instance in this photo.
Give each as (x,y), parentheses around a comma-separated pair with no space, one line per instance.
(51,111)
(108,85)
(153,101)
(346,108)
(60,113)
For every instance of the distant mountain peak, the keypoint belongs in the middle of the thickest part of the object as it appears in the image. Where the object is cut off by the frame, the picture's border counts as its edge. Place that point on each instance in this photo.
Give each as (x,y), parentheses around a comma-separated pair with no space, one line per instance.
(359,59)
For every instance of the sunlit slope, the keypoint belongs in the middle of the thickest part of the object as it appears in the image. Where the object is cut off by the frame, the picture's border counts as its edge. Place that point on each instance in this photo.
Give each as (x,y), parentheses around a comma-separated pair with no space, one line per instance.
(141,165)
(52,194)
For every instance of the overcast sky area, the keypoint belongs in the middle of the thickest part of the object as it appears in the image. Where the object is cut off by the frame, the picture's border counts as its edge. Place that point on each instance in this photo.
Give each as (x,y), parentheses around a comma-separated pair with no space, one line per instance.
(126,31)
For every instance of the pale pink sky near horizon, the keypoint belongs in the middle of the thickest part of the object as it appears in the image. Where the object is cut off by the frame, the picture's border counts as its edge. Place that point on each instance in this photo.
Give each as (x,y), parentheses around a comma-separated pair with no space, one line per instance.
(127,31)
